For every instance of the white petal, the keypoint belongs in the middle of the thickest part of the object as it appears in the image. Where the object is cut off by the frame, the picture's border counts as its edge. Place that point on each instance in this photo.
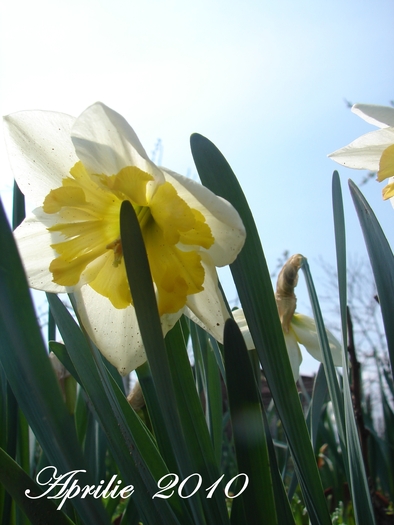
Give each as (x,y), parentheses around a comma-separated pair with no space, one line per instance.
(294,353)
(364,153)
(207,308)
(114,331)
(380,116)
(106,143)
(224,221)
(168,321)
(305,330)
(34,240)
(292,347)
(240,319)
(40,151)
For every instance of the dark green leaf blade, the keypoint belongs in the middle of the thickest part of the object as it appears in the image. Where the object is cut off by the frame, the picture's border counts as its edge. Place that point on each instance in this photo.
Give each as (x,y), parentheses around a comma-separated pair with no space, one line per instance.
(191,413)
(132,447)
(29,372)
(254,287)
(18,206)
(356,469)
(382,262)
(39,510)
(142,291)
(248,428)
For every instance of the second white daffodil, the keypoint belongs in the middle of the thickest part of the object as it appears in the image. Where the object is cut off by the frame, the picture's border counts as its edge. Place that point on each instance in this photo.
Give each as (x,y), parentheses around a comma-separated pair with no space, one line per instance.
(77,172)
(297,328)
(373,151)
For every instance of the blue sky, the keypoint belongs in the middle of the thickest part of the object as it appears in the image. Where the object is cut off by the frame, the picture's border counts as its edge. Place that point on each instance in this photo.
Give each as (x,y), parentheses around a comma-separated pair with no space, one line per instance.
(265,81)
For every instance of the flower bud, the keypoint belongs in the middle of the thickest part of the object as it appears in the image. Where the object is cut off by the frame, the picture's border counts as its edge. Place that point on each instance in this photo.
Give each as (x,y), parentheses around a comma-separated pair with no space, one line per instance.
(286,300)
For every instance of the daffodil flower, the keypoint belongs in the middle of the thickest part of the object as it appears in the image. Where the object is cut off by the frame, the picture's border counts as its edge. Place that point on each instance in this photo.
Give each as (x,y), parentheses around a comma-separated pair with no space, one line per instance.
(373,151)
(77,172)
(297,328)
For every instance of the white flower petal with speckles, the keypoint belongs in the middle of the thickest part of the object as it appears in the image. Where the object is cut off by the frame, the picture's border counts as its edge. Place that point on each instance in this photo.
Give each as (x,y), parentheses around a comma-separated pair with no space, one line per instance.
(40,151)
(364,153)
(106,143)
(34,240)
(207,308)
(115,331)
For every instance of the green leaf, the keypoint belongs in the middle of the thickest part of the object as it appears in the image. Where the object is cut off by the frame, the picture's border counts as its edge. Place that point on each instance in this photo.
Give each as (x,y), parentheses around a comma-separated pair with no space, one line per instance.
(130,442)
(356,469)
(200,442)
(381,448)
(155,415)
(214,401)
(30,374)
(254,287)
(39,510)
(389,441)
(18,207)
(319,397)
(12,412)
(141,287)
(208,382)
(81,415)
(382,262)
(96,447)
(340,244)
(282,503)
(8,436)
(248,429)
(329,368)
(61,353)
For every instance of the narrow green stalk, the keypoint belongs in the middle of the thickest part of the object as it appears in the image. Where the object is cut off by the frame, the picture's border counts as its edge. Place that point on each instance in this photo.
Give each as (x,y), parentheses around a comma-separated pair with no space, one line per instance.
(356,469)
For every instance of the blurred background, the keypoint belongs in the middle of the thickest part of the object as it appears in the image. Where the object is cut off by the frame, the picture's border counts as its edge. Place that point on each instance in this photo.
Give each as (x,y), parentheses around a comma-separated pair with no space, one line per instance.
(270,83)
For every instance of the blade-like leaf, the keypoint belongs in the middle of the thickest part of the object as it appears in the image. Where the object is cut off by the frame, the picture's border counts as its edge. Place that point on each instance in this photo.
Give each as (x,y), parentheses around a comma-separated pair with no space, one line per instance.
(39,510)
(163,440)
(382,262)
(207,374)
(248,429)
(18,206)
(61,353)
(214,401)
(331,375)
(254,287)
(142,291)
(319,397)
(130,443)
(340,244)
(8,436)
(191,413)
(356,469)
(30,374)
